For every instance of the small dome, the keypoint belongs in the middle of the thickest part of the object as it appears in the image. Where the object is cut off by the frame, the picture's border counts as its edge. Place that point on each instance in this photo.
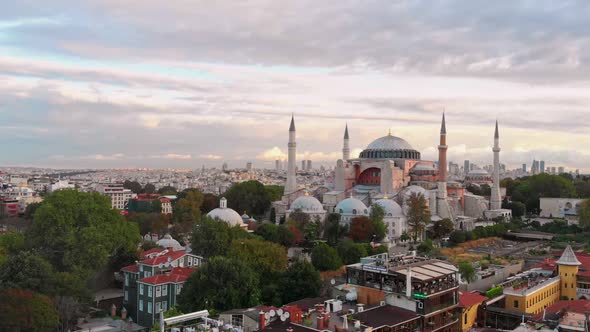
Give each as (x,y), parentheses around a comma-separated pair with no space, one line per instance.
(223,213)
(351,206)
(168,242)
(390,207)
(390,142)
(307,204)
(414,189)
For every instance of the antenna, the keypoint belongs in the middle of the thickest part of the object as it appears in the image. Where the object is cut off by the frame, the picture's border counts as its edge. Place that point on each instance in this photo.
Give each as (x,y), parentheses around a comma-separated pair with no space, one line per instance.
(280,312)
(283,318)
(267,316)
(273,313)
(287,314)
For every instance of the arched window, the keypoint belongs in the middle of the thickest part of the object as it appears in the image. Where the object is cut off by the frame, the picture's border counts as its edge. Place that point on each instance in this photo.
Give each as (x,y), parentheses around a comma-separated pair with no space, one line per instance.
(353,211)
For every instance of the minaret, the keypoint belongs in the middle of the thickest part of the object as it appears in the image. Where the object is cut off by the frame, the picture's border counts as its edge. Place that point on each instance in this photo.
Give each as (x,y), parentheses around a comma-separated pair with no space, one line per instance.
(442,161)
(346,147)
(291,184)
(495,199)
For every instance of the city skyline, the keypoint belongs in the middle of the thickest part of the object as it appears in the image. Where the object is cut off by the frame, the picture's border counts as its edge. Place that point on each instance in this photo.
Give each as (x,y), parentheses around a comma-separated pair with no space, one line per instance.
(98,85)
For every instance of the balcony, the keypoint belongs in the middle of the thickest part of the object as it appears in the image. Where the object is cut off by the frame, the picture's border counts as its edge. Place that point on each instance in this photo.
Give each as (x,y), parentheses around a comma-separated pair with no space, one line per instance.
(583,291)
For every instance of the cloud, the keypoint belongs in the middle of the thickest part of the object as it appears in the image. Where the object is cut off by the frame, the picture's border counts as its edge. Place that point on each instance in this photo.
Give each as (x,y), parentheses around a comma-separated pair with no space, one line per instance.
(211,156)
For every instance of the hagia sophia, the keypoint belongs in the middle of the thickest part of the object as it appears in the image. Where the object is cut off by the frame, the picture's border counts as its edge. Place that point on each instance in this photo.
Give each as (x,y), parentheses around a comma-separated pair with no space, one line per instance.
(386,173)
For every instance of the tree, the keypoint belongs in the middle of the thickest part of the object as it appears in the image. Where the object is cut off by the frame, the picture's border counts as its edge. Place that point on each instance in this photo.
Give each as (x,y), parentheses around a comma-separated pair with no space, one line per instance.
(325,258)
(220,284)
(467,271)
(361,229)
(274,192)
(530,189)
(404,237)
(26,270)
(285,237)
(150,222)
(31,209)
(269,232)
(584,214)
(149,188)
(442,228)
(250,197)
(134,186)
(187,208)
(262,256)
(518,208)
(23,310)
(351,252)
(78,232)
(457,237)
(376,216)
(167,190)
(333,230)
(301,280)
(418,215)
(425,247)
(214,238)
(210,202)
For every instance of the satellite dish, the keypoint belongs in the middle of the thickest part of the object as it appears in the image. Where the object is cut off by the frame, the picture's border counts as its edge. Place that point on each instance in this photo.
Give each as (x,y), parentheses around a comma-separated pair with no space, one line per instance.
(273,313)
(283,318)
(287,314)
(267,316)
(280,312)
(333,282)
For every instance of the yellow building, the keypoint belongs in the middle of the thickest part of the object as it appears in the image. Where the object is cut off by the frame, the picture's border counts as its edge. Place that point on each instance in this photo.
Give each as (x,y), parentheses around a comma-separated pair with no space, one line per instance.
(532,296)
(568,272)
(469,303)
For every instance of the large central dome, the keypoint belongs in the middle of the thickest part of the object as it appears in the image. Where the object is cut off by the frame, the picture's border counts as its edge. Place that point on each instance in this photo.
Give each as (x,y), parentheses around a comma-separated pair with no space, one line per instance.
(388,147)
(390,143)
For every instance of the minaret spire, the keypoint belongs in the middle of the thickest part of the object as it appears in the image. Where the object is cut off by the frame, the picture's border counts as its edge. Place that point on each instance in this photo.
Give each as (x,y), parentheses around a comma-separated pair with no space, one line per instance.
(291,184)
(345,145)
(443,126)
(442,206)
(495,199)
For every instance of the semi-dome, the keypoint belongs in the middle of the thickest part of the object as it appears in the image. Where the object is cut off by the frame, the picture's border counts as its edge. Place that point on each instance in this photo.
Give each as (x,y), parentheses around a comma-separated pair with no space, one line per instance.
(307,204)
(479,172)
(351,206)
(390,147)
(223,213)
(414,189)
(424,167)
(390,207)
(168,242)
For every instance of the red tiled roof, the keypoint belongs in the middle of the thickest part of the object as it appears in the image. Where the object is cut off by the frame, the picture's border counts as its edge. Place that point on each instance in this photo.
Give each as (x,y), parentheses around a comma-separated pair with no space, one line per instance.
(178,274)
(174,255)
(467,300)
(577,306)
(151,251)
(131,268)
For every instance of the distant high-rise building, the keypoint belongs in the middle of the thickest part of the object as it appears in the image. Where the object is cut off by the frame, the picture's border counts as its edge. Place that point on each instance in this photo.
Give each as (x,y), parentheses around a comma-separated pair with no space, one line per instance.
(466,167)
(309,165)
(524,168)
(535,167)
(224,167)
(542,166)
(303,165)
(249,166)
(560,170)
(277,165)
(553,169)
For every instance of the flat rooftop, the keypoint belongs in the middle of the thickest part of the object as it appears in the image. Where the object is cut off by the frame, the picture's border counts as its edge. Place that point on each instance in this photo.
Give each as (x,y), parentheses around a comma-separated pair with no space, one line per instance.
(423,268)
(384,316)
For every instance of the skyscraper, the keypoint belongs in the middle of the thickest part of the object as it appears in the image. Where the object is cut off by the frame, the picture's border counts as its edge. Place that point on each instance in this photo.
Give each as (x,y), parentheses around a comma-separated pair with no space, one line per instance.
(524,168)
(496,200)
(466,167)
(309,165)
(277,165)
(542,166)
(303,165)
(249,166)
(560,170)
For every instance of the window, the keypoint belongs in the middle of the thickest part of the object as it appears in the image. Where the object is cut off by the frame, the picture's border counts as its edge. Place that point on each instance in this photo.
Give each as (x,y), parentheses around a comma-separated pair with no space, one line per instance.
(158,307)
(140,268)
(126,279)
(164,306)
(149,307)
(158,291)
(178,289)
(150,292)
(148,274)
(465,319)
(237,320)
(126,296)
(516,303)
(140,305)
(165,290)
(189,262)
(140,289)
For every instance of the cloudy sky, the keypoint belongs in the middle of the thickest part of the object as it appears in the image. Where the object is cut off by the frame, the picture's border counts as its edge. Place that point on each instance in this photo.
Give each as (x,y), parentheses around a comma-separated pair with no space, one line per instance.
(181,83)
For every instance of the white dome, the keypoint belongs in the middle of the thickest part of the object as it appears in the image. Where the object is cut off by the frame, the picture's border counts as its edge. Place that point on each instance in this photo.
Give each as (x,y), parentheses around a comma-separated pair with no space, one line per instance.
(391,208)
(414,189)
(307,204)
(389,143)
(168,242)
(479,172)
(351,206)
(223,213)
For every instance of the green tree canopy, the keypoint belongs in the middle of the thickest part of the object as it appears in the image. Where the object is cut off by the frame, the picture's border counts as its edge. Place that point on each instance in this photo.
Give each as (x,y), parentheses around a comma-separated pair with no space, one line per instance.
(333,230)
(442,228)
(27,270)
(274,192)
(23,310)
(134,186)
(210,202)
(361,229)
(220,284)
(167,190)
(78,232)
(351,252)
(584,214)
(264,257)
(149,188)
(250,197)
(301,280)
(376,216)
(214,238)
(530,189)
(418,215)
(325,258)
(467,271)
(149,222)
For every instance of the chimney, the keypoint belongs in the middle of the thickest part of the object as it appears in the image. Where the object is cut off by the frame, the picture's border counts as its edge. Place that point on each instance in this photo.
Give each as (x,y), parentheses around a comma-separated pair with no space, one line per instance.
(320,320)
(113,310)
(409,282)
(262,320)
(123,313)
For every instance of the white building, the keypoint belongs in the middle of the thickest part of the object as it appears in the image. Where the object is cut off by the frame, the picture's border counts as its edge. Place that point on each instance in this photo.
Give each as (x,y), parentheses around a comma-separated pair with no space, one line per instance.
(119,195)
(566,208)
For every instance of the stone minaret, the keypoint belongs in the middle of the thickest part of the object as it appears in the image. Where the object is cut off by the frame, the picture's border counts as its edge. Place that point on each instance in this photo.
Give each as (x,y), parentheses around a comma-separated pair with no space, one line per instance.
(291,184)
(442,205)
(495,199)
(346,146)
